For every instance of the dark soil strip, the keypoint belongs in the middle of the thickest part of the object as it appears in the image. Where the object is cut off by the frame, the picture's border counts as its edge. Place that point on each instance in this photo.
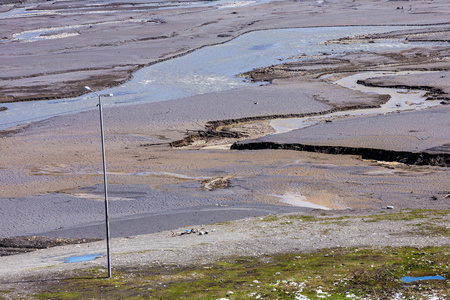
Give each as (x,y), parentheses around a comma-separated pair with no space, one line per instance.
(411,158)
(432,92)
(216,130)
(22,244)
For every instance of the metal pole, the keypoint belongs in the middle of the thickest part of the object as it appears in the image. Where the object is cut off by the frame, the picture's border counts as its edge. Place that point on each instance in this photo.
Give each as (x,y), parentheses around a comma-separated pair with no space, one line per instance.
(108,255)
(105,187)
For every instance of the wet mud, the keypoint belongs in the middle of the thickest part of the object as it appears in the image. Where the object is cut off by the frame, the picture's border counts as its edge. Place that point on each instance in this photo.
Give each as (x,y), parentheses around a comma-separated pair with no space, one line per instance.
(45,143)
(222,129)
(23,244)
(405,157)
(26,84)
(433,93)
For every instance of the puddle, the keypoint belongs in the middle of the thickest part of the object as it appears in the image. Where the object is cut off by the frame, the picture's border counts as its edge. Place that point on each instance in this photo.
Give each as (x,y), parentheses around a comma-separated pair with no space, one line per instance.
(74,259)
(175,175)
(408,279)
(299,200)
(99,197)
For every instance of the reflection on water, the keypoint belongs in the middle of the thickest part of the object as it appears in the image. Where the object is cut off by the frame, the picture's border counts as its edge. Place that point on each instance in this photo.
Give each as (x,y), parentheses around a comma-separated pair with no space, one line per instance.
(82,258)
(209,69)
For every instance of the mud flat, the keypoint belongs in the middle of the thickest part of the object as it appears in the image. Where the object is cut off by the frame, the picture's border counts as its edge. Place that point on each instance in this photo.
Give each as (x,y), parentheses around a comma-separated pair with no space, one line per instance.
(56,161)
(44,46)
(51,170)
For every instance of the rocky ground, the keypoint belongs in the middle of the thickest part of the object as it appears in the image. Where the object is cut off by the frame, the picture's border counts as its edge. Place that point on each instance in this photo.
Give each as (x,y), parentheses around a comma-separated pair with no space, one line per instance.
(292,233)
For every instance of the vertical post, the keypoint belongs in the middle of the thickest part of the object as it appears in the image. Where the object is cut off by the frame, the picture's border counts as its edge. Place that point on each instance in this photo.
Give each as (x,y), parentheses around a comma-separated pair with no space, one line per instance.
(108,254)
(105,187)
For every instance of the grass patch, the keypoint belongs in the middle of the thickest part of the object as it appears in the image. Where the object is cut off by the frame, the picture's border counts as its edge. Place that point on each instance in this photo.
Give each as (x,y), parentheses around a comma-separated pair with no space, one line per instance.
(60,295)
(431,229)
(304,218)
(341,273)
(270,218)
(407,215)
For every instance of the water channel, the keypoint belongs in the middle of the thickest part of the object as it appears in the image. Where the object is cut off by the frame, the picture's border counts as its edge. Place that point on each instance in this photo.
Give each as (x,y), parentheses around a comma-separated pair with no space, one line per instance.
(400,99)
(211,69)
(35,9)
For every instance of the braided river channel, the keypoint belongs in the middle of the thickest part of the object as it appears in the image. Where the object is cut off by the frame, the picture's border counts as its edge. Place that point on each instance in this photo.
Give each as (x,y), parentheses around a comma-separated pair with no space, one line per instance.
(216,68)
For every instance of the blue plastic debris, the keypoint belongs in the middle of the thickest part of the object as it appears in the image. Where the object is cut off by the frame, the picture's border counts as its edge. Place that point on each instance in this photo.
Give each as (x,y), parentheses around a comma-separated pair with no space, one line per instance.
(74,259)
(408,279)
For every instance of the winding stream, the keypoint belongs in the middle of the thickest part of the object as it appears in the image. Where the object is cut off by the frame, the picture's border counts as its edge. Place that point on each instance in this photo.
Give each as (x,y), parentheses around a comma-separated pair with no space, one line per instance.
(400,99)
(212,69)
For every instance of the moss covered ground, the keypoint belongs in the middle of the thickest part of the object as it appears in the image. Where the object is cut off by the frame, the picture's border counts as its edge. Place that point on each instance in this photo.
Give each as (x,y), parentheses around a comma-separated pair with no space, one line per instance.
(341,273)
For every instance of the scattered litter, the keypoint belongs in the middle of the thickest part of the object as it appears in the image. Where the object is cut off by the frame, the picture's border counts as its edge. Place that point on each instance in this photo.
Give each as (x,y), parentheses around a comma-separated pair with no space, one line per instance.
(408,279)
(200,231)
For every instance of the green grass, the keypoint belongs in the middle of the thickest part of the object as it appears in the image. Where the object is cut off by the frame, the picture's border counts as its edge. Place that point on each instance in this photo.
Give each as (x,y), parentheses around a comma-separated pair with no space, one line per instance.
(403,215)
(373,273)
(432,229)
(408,215)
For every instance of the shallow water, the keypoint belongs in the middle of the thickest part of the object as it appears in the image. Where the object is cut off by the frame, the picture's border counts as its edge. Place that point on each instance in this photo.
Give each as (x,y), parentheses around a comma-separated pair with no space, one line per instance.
(58,32)
(408,279)
(401,99)
(30,9)
(299,200)
(74,259)
(209,69)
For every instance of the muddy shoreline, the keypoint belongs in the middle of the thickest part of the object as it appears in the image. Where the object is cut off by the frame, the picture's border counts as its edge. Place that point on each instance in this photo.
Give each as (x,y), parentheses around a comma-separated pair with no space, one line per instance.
(404,157)
(215,27)
(217,130)
(51,170)
(23,244)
